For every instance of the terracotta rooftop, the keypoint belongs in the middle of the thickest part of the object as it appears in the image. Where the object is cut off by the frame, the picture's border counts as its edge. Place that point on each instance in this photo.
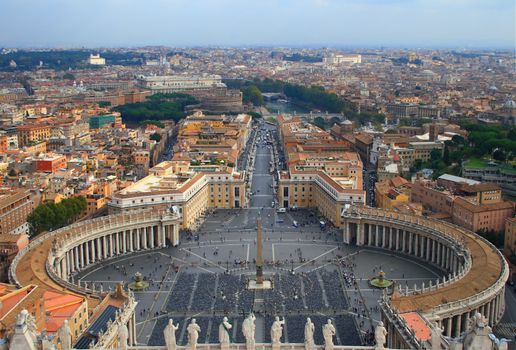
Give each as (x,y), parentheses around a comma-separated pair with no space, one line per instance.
(418,325)
(476,208)
(481,187)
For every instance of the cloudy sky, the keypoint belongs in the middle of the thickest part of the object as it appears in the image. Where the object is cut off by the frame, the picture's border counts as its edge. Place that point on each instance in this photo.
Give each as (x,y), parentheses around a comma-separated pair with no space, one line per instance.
(393,23)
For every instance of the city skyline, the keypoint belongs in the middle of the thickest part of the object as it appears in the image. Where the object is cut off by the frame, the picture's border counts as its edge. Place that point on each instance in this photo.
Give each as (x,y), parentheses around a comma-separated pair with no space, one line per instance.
(228,23)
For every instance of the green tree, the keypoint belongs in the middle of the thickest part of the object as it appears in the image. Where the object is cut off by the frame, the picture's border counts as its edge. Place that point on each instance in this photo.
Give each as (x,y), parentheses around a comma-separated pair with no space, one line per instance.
(156,137)
(104,104)
(49,216)
(320,122)
(251,94)
(446,155)
(255,115)
(69,76)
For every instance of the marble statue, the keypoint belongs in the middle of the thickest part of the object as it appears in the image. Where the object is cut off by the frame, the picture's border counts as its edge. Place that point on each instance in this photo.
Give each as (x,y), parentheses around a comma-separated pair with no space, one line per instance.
(328,333)
(436,336)
(123,336)
(65,335)
(169,333)
(23,337)
(309,334)
(31,326)
(500,344)
(21,318)
(380,334)
(224,337)
(477,337)
(277,330)
(248,329)
(193,330)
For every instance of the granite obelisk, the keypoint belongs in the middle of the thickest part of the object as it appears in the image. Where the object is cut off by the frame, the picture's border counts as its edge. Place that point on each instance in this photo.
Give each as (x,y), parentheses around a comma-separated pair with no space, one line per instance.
(259,252)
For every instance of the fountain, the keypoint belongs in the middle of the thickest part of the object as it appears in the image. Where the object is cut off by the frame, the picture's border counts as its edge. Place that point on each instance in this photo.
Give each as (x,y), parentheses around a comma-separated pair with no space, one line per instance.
(139,283)
(380,281)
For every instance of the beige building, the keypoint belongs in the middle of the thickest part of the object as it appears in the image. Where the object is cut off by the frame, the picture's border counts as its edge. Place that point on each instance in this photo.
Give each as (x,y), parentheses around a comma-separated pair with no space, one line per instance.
(316,189)
(193,190)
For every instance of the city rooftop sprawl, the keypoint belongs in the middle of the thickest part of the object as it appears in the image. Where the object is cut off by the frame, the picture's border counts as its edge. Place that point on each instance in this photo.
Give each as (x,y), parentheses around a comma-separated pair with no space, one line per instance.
(257,198)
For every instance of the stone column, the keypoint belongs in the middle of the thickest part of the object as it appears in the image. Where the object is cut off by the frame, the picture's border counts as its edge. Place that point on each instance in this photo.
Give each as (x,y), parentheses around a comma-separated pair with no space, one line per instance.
(360,233)
(496,308)
(82,255)
(392,241)
(87,245)
(369,235)
(501,306)
(105,251)
(158,235)
(137,239)
(111,250)
(175,229)
(458,326)
(92,254)
(450,257)
(131,240)
(449,326)
(404,242)
(384,245)
(124,241)
(61,269)
(410,242)
(76,256)
(376,236)
(416,244)
(490,312)
(151,240)
(71,266)
(99,248)
(397,238)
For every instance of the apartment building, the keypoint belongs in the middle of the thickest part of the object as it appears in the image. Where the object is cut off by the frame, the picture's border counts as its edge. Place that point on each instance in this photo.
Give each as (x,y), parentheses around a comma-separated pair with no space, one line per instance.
(15,206)
(30,133)
(470,204)
(509,245)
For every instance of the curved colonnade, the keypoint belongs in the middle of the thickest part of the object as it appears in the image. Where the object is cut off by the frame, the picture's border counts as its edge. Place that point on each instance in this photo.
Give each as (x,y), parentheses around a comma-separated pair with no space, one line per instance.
(475,271)
(50,260)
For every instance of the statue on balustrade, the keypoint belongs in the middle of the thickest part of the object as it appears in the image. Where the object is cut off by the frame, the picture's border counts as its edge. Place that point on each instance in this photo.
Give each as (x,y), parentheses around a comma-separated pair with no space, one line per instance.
(380,336)
(248,329)
(277,330)
(328,334)
(123,336)
(169,333)
(436,336)
(309,334)
(500,344)
(224,337)
(193,330)
(65,335)
(478,336)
